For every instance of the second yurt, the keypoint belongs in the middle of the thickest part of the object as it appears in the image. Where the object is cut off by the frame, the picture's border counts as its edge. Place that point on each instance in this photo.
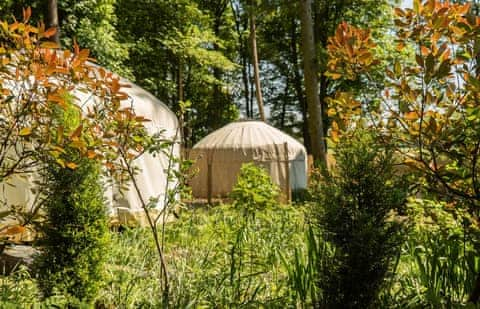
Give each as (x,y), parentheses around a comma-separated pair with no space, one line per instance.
(219,156)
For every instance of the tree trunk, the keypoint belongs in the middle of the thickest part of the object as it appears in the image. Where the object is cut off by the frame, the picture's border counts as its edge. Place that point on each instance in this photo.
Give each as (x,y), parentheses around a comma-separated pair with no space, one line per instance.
(216,111)
(252,89)
(324,105)
(284,105)
(297,84)
(181,98)
(52,20)
(315,122)
(258,88)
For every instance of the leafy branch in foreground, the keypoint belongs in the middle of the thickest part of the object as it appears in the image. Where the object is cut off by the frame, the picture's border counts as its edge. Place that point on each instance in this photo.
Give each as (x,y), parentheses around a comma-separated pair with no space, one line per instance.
(430,108)
(39,85)
(133,142)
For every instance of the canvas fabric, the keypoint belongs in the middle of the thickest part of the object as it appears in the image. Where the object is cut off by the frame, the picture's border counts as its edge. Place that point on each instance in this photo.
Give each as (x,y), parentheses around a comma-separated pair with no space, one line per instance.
(247,141)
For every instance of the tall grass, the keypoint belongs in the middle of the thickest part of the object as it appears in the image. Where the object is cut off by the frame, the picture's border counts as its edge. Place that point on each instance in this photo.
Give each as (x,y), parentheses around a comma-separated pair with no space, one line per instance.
(304,267)
(231,263)
(215,263)
(438,263)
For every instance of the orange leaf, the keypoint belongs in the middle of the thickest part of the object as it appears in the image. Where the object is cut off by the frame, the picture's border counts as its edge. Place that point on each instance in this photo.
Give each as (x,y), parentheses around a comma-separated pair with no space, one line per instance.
(464,8)
(57,99)
(399,12)
(71,165)
(331,112)
(49,45)
(334,135)
(77,132)
(26,14)
(91,154)
(333,76)
(425,51)
(16,229)
(50,32)
(411,116)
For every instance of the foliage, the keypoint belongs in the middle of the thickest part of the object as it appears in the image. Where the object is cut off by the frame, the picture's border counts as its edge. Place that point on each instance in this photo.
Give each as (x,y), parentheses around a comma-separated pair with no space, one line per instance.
(20,289)
(284,91)
(438,261)
(359,52)
(356,207)
(75,234)
(179,60)
(197,248)
(305,267)
(91,23)
(254,189)
(177,172)
(430,105)
(218,278)
(38,84)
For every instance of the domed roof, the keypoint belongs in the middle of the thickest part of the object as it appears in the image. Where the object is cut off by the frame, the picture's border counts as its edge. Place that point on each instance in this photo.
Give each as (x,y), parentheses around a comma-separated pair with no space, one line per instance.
(144,103)
(248,136)
(147,105)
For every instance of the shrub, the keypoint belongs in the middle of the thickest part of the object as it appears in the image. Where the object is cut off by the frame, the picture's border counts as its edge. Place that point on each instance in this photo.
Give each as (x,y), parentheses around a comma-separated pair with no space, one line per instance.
(75,233)
(254,189)
(355,208)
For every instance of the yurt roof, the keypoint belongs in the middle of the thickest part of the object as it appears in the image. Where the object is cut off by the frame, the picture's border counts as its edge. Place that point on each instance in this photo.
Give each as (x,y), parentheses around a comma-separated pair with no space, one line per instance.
(249,135)
(160,116)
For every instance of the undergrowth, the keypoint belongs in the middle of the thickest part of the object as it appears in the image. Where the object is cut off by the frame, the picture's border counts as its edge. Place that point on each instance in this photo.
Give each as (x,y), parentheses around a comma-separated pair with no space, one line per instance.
(203,261)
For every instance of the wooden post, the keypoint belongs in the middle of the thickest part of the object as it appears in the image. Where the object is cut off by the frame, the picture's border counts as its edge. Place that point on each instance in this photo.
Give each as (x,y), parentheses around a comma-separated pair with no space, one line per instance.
(209,181)
(288,190)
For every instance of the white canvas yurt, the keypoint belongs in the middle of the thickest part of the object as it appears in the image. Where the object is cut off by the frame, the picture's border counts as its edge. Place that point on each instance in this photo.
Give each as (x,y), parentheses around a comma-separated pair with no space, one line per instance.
(152,178)
(220,155)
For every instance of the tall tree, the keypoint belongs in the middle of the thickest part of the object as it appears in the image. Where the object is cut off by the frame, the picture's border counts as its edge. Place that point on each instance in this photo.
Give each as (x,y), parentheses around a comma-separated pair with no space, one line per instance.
(284,89)
(279,42)
(241,21)
(311,83)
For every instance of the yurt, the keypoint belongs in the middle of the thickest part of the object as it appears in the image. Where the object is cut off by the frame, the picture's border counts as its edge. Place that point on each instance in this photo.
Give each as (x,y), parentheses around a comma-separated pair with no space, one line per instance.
(219,156)
(124,207)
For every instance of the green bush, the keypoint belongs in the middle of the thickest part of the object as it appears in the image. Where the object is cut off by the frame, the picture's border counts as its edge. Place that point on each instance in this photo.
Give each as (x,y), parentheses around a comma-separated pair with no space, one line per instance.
(254,189)
(356,203)
(75,232)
